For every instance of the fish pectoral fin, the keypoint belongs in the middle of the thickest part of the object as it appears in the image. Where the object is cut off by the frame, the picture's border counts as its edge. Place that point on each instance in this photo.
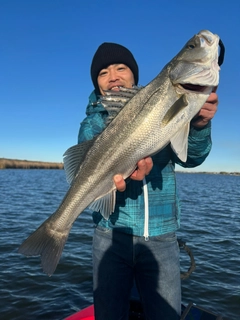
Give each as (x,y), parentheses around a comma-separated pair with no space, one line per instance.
(73,158)
(177,106)
(105,204)
(179,142)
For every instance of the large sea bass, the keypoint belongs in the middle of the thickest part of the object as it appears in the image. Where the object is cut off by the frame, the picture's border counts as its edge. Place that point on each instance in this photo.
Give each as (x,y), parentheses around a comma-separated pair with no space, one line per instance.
(153,117)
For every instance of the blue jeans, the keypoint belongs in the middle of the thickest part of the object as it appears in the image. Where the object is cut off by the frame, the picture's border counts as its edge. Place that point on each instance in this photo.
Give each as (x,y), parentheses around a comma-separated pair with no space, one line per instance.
(119,259)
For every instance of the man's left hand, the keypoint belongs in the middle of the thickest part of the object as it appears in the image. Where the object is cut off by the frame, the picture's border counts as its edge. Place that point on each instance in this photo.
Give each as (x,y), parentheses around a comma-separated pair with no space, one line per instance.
(144,167)
(207,112)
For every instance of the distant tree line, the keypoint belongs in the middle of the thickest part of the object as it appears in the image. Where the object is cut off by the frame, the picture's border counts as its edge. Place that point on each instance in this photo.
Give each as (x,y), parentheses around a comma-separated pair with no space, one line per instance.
(26,164)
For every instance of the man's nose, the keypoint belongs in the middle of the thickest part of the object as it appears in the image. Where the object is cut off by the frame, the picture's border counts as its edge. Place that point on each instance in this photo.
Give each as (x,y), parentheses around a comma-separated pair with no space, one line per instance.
(113,75)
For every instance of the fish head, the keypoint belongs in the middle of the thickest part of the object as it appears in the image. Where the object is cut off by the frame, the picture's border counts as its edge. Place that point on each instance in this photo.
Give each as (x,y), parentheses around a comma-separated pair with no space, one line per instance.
(196,65)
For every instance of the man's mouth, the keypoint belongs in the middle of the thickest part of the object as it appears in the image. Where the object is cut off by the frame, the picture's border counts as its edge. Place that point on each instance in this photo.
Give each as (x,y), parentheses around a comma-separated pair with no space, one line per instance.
(115,88)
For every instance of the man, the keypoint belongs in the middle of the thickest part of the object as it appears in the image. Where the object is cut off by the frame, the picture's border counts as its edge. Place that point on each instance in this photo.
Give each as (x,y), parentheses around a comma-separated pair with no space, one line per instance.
(138,242)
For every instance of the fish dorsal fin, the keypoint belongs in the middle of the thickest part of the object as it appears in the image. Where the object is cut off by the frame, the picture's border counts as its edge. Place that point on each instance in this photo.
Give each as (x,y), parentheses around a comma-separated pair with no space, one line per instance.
(73,158)
(179,142)
(105,204)
(114,101)
(178,105)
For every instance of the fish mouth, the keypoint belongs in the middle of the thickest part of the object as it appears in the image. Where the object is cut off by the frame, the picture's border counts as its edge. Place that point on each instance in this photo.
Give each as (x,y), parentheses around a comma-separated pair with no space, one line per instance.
(194,87)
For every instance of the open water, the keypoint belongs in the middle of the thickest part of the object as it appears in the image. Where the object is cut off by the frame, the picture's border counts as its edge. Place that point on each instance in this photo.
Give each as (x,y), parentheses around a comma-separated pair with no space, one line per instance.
(210,227)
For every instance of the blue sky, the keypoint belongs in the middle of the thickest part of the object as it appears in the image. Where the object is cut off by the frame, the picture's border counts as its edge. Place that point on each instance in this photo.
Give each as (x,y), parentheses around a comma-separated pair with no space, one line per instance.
(46,52)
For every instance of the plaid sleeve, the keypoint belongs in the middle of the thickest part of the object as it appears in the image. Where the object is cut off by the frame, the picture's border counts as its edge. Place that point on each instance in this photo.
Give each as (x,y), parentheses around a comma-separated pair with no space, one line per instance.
(91,126)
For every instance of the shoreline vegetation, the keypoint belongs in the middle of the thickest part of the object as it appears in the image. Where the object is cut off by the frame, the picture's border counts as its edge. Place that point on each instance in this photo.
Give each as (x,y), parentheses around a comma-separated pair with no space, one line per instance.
(27,164)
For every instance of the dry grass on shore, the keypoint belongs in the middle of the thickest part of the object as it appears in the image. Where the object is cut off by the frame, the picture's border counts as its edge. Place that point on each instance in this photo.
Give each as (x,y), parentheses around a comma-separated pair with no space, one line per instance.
(25,164)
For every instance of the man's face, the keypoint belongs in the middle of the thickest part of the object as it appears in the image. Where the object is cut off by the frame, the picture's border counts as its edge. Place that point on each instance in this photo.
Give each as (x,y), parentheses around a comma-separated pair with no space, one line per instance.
(114,76)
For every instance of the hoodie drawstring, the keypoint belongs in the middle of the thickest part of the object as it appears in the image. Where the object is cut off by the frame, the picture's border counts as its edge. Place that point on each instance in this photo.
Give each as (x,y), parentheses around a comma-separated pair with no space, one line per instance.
(146,210)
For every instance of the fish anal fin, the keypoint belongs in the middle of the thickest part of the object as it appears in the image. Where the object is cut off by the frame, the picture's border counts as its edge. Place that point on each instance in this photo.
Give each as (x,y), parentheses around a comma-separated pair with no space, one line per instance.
(73,158)
(178,105)
(105,204)
(179,142)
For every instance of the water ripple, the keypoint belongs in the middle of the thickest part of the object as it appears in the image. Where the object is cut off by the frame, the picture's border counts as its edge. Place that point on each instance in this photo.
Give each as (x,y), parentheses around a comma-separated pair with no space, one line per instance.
(210,226)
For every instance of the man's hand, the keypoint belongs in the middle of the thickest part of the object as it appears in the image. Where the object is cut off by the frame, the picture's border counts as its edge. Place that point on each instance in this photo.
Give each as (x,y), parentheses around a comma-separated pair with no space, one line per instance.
(144,167)
(207,112)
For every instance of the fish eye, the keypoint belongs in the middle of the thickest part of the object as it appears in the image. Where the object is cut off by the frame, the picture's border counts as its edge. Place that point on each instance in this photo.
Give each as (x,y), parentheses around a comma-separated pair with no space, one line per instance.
(191,46)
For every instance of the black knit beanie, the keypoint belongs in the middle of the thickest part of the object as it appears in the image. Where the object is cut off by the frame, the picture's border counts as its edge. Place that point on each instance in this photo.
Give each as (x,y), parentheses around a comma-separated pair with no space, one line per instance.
(110,53)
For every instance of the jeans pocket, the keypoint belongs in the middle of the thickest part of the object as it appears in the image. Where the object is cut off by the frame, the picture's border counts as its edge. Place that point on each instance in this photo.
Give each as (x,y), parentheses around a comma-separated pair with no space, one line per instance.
(169,237)
(99,230)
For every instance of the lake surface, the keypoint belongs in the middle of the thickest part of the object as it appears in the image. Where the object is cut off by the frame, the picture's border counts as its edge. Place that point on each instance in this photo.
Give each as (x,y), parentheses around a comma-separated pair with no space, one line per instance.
(210,226)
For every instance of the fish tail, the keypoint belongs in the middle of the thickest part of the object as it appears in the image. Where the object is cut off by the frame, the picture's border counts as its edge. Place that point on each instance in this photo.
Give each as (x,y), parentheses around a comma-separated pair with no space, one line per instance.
(45,242)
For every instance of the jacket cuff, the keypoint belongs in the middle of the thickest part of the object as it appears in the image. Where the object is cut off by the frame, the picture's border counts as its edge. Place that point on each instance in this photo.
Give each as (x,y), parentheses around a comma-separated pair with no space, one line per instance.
(200,132)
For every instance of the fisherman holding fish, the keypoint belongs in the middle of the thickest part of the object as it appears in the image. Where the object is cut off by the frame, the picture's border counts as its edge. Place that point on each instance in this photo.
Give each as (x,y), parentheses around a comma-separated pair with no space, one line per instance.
(121,253)
(123,168)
